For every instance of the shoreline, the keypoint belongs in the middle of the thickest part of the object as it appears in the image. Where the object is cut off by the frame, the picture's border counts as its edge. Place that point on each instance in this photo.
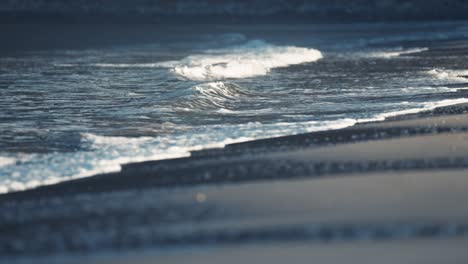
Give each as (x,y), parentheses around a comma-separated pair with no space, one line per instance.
(359,132)
(225,149)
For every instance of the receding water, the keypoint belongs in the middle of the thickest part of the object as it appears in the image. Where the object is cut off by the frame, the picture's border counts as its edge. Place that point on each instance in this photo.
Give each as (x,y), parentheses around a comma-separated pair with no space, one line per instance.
(73,113)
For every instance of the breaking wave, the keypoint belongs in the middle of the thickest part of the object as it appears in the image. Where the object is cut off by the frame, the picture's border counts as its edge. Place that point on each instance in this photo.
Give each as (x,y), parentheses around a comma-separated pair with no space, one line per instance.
(251,59)
(254,58)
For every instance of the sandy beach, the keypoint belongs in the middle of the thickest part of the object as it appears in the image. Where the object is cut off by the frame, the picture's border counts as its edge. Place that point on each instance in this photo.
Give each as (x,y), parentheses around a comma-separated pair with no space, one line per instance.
(382,192)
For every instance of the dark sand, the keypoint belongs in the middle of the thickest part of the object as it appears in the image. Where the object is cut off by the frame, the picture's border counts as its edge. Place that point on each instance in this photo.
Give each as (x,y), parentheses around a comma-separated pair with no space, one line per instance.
(382,192)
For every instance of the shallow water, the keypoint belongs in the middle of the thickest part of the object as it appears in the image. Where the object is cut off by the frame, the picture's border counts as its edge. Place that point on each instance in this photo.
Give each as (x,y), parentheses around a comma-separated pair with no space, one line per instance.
(74,113)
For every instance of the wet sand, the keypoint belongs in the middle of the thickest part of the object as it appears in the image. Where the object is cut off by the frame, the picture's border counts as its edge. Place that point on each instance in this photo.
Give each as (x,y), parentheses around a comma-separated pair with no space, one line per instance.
(390,191)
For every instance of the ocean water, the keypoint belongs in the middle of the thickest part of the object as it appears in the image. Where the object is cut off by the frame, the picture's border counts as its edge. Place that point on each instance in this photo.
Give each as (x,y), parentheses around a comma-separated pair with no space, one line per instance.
(70,113)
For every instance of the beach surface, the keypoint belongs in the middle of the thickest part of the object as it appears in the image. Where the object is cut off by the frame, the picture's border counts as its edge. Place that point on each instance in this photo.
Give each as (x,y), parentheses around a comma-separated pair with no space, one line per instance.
(378,192)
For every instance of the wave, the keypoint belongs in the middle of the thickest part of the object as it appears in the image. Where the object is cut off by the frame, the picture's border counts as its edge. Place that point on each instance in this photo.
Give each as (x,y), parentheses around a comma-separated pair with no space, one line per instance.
(449,75)
(254,58)
(109,153)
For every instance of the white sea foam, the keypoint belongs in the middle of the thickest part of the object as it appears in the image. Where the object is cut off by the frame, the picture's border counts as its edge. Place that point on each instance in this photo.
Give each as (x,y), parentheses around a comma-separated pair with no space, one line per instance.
(421,107)
(396,52)
(449,75)
(251,59)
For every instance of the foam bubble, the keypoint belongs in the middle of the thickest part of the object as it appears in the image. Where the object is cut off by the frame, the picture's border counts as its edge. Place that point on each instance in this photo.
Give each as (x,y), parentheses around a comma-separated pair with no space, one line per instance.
(252,59)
